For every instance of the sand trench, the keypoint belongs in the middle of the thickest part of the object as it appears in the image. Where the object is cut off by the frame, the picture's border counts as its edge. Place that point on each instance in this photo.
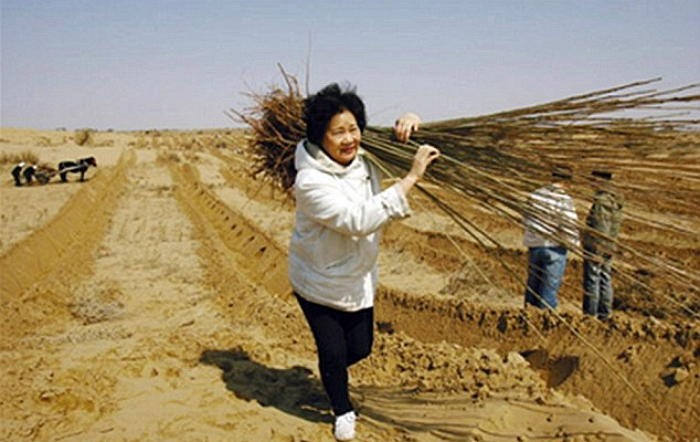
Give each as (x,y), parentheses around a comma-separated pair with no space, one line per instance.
(173,321)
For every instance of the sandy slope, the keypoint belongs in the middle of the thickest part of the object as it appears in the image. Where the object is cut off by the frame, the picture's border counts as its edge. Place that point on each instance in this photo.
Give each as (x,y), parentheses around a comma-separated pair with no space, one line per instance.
(150,303)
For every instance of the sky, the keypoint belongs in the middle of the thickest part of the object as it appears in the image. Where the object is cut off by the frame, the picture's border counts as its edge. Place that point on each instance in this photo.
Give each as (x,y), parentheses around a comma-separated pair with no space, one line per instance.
(176,64)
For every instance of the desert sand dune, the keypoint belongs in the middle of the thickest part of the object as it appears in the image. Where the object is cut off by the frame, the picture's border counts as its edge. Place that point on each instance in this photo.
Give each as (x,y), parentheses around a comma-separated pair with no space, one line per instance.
(151,303)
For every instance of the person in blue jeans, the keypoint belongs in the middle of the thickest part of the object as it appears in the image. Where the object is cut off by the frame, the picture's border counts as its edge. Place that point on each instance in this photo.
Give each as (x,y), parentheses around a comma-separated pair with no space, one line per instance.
(546,267)
(599,245)
(550,229)
(597,285)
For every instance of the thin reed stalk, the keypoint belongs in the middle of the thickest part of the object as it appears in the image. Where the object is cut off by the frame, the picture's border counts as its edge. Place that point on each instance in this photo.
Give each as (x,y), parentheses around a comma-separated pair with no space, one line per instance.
(494,161)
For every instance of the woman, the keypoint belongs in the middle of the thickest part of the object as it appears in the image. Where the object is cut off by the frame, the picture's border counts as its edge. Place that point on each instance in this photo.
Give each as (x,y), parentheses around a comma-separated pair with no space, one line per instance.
(340,209)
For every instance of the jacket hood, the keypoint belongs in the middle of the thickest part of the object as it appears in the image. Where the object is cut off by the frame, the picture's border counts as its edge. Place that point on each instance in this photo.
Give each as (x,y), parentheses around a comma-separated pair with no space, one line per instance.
(309,155)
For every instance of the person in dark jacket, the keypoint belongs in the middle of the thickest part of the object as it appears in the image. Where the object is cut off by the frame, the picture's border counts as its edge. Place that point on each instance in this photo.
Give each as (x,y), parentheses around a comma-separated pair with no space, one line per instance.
(17,173)
(599,246)
(29,173)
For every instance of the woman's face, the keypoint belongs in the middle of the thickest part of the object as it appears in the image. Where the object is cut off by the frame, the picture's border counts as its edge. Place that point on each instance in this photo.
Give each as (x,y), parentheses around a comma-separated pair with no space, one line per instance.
(342,138)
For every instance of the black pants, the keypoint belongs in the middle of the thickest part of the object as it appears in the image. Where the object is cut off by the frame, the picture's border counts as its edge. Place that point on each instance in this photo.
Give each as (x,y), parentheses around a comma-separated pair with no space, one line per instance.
(342,338)
(16,175)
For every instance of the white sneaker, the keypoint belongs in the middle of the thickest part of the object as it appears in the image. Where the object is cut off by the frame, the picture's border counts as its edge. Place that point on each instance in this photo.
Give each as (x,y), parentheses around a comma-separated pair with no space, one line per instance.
(345,426)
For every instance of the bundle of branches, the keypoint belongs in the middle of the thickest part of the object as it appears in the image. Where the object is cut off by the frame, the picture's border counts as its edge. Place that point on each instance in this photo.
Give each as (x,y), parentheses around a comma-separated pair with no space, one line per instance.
(494,161)
(276,119)
(521,145)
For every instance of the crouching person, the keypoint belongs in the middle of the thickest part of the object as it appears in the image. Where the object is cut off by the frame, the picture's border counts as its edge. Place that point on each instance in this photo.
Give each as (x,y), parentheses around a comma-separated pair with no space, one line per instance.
(17,173)
(29,174)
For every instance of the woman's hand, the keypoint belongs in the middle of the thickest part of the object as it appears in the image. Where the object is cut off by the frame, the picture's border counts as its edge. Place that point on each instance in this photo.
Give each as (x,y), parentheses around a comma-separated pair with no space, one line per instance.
(405,125)
(424,156)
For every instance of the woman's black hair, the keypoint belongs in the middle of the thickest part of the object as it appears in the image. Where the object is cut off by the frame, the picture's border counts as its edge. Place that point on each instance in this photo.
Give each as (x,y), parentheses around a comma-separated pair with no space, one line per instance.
(320,108)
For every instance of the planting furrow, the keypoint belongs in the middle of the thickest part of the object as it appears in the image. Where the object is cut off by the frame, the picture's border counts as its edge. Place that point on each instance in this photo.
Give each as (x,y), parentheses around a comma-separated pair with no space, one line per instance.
(35,270)
(433,318)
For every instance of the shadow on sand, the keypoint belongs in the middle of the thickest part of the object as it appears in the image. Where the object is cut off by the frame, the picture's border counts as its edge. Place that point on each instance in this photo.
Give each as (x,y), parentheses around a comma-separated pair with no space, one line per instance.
(292,390)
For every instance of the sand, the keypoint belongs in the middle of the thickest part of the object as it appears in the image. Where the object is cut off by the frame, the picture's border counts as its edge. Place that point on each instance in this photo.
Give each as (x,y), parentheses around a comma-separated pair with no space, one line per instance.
(150,303)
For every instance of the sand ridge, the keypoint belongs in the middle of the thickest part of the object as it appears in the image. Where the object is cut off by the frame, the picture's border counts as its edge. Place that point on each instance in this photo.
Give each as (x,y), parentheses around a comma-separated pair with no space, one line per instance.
(175,323)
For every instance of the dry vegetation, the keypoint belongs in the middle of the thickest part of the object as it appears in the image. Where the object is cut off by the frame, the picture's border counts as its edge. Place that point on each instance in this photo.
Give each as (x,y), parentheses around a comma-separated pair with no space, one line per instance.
(170,301)
(494,161)
(26,156)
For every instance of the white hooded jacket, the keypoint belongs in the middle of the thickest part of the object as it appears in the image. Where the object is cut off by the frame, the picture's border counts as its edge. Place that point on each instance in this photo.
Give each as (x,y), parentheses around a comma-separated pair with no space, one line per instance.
(339,212)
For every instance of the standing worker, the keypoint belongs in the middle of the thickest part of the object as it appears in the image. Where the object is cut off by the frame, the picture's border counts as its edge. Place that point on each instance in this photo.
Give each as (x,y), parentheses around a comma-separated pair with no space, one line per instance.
(550,229)
(599,245)
(340,210)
